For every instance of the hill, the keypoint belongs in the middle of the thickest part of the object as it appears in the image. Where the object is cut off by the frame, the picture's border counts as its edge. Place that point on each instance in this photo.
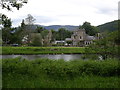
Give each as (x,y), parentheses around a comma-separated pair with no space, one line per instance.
(56,27)
(110,26)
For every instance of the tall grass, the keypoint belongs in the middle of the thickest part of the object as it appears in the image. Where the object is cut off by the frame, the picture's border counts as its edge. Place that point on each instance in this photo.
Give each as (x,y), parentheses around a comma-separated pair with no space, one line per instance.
(45,73)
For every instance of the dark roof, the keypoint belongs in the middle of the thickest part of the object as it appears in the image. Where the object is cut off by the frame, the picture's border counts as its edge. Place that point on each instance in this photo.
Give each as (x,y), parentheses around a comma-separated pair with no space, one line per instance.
(68,39)
(90,37)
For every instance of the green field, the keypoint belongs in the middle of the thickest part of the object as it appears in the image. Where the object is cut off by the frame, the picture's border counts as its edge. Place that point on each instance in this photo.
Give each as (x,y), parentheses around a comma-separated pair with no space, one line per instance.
(42,50)
(45,73)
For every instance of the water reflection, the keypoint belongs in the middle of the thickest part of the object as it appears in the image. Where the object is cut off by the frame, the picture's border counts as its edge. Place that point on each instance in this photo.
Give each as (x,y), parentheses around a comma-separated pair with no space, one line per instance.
(66,57)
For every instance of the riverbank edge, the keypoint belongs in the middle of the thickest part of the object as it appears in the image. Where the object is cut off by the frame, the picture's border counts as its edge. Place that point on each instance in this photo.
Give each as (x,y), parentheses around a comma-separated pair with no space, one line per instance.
(41,50)
(44,50)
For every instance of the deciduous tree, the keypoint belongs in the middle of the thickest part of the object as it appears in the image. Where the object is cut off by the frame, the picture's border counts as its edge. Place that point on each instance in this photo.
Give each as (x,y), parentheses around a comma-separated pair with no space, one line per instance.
(9,4)
(90,30)
(29,20)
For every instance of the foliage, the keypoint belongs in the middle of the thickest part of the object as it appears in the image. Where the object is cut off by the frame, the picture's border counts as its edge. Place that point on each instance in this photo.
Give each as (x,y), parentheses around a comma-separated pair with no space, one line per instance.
(6,22)
(23,25)
(41,73)
(69,42)
(107,47)
(29,20)
(36,40)
(6,31)
(90,30)
(9,37)
(61,34)
(8,4)
(44,33)
(45,37)
(0,38)
(110,26)
(39,29)
(114,37)
(12,35)
(6,35)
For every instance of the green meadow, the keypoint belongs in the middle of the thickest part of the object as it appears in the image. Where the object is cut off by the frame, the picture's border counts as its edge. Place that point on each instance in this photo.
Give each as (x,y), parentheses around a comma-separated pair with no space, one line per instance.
(42,50)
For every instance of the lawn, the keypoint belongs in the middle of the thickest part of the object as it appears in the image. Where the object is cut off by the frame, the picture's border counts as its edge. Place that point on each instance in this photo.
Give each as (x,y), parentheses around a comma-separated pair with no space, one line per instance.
(42,50)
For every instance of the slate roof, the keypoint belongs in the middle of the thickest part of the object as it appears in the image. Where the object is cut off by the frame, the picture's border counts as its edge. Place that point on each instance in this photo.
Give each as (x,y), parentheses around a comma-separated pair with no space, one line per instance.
(68,39)
(90,37)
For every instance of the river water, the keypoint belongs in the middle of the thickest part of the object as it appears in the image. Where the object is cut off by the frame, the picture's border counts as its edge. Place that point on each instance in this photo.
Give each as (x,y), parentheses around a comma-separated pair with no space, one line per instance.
(66,57)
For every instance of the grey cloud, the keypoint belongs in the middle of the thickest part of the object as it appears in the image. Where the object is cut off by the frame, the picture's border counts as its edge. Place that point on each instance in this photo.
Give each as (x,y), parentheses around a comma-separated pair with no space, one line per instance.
(45,19)
(106,10)
(69,15)
(39,19)
(119,10)
(16,22)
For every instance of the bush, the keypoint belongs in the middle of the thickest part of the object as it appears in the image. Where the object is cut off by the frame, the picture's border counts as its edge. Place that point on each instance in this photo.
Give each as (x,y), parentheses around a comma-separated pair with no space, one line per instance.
(61,68)
(45,73)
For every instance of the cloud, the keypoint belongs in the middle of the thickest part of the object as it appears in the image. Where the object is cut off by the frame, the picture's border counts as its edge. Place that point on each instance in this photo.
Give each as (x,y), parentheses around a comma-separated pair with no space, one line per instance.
(45,19)
(119,10)
(107,11)
(65,12)
(38,20)
(16,22)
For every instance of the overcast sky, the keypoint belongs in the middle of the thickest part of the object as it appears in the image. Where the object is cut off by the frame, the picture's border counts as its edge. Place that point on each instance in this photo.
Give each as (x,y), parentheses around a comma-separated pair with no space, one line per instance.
(66,12)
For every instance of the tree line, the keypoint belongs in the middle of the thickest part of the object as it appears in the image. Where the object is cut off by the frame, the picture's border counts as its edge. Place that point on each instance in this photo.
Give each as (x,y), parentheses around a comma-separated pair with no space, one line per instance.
(15,35)
(11,35)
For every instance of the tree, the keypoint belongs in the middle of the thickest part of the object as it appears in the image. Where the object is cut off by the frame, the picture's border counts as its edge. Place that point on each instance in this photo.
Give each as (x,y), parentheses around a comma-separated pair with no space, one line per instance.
(6,22)
(22,29)
(11,35)
(6,31)
(23,24)
(54,33)
(47,37)
(16,38)
(29,20)
(39,29)
(8,4)
(106,47)
(36,39)
(44,33)
(1,40)
(6,35)
(18,34)
(63,33)
(90,30)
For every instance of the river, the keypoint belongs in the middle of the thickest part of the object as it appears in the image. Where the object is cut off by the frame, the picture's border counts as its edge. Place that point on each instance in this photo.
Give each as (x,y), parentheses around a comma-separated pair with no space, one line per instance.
(66,57)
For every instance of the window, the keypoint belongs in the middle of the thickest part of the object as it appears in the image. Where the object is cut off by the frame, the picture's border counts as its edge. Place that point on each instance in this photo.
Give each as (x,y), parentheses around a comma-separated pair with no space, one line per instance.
(80,37)
(74,37)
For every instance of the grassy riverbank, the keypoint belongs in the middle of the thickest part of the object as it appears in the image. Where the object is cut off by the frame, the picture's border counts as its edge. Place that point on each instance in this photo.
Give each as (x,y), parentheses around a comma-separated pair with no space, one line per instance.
(45,73)
(42,50)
